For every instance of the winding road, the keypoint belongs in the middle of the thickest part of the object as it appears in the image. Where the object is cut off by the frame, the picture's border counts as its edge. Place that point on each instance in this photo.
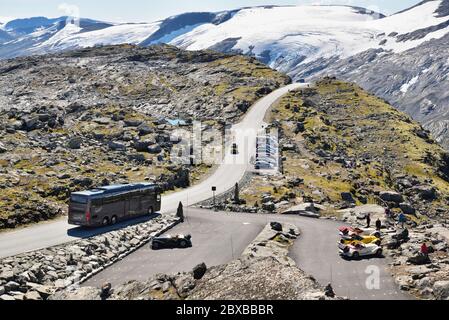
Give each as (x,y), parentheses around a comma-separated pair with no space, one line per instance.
(221,237)
(230,171)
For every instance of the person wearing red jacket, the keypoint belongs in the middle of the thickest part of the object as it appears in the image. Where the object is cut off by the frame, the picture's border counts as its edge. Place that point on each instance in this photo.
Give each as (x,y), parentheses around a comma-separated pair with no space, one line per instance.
(425,249)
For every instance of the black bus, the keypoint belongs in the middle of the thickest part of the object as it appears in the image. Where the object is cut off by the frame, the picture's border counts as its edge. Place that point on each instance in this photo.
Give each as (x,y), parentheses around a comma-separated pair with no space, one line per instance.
(111,204)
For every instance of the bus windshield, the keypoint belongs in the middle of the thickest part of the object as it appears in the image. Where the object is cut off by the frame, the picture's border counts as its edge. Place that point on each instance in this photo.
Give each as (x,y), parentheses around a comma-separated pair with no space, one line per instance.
(79,199)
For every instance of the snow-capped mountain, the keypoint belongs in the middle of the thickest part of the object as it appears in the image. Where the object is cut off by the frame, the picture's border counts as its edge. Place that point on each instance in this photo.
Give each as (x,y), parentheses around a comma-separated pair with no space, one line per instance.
(41,35)
(303,41)
(285,37)
(25,36)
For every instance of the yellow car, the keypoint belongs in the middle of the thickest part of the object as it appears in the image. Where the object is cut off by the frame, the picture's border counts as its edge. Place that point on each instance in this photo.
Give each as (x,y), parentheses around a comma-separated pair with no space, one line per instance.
(357,239)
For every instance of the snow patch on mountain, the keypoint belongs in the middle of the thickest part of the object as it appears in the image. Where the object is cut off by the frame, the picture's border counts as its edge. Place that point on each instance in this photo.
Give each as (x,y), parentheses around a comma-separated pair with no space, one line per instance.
(407,85)
(71,37)
(287,37)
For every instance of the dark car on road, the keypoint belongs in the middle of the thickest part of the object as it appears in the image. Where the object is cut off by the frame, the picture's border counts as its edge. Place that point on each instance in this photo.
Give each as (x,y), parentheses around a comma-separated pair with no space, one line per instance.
(171,242)
(235,149)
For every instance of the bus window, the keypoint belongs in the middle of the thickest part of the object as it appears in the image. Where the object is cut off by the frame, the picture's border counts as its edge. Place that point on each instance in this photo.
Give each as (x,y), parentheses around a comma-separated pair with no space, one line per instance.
(97,202)
(79,199)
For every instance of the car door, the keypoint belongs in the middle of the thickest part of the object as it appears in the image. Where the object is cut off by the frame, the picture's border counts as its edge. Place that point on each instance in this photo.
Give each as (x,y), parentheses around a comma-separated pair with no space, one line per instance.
(364,250)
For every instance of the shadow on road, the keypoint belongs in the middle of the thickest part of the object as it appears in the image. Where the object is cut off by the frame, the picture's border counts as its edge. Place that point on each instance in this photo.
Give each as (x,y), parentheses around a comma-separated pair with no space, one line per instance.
(83,232)
(367,258)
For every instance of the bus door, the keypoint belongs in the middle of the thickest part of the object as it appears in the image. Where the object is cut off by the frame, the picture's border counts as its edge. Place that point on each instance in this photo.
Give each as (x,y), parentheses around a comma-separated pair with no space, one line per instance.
(135,205)
(127,202)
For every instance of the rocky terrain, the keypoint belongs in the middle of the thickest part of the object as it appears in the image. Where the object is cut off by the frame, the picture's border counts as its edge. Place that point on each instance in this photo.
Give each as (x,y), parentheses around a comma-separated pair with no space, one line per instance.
(343,147)
(242,279)
(348,154)
(37,275)
(405,63)
(426,278)
(99,116)
(414,81)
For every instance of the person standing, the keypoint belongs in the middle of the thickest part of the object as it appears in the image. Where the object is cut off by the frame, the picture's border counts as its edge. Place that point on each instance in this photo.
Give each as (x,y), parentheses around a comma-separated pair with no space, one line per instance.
(368,220)
(378,224)
(402,219)
(425,249)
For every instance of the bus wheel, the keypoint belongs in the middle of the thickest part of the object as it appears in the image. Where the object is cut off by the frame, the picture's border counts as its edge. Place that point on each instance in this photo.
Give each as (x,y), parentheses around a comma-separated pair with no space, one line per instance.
(114,220)
(105,221)
(151,211)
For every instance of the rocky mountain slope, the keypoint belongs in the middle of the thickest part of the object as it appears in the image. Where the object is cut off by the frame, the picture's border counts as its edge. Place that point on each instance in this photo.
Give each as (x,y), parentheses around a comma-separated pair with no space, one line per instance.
(402,58)
(414,81)
(344,147)
(107,115)
(346,154)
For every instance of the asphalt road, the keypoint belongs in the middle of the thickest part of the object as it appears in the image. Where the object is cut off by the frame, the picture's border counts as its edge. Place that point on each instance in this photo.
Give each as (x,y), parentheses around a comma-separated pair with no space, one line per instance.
(224,178)
(220,237)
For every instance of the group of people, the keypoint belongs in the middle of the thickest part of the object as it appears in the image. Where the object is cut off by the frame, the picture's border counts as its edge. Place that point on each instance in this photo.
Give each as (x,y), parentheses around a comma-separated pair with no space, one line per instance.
(402,220)
(368,222)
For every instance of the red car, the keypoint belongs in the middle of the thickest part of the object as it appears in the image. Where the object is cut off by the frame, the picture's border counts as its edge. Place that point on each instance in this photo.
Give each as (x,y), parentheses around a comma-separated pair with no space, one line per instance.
(350,231)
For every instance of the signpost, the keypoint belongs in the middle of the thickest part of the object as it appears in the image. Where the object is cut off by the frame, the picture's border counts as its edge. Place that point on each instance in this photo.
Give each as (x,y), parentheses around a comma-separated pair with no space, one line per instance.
(214,189)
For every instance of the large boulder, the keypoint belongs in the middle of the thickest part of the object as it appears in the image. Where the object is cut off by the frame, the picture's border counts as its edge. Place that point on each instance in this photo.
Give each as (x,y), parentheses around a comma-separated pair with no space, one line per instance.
(3,148)
(75,143)
(116,146)
(407,208)
(425,192)
(141,146)
(441,289)
(269,206)
(419,260)
(305,209)
(32,295)
(199,271)
(144,129)
(347,196)
(154,149)
(391,196)
(30,123)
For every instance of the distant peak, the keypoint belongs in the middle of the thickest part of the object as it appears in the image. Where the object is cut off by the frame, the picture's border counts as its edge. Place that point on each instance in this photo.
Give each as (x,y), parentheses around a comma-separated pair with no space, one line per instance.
(442,10)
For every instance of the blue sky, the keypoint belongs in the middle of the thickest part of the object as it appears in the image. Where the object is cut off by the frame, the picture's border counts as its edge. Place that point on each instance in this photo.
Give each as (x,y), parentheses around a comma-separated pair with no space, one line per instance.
(145,10)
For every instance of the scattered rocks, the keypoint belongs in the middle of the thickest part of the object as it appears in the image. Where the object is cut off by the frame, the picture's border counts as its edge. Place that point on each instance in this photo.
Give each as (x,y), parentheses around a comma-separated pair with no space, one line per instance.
(263,272)
(423,275)
(118,125)
(39,274)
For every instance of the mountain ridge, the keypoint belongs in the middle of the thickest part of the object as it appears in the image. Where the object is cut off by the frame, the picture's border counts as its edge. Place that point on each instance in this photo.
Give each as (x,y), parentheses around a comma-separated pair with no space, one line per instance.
(302,41)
